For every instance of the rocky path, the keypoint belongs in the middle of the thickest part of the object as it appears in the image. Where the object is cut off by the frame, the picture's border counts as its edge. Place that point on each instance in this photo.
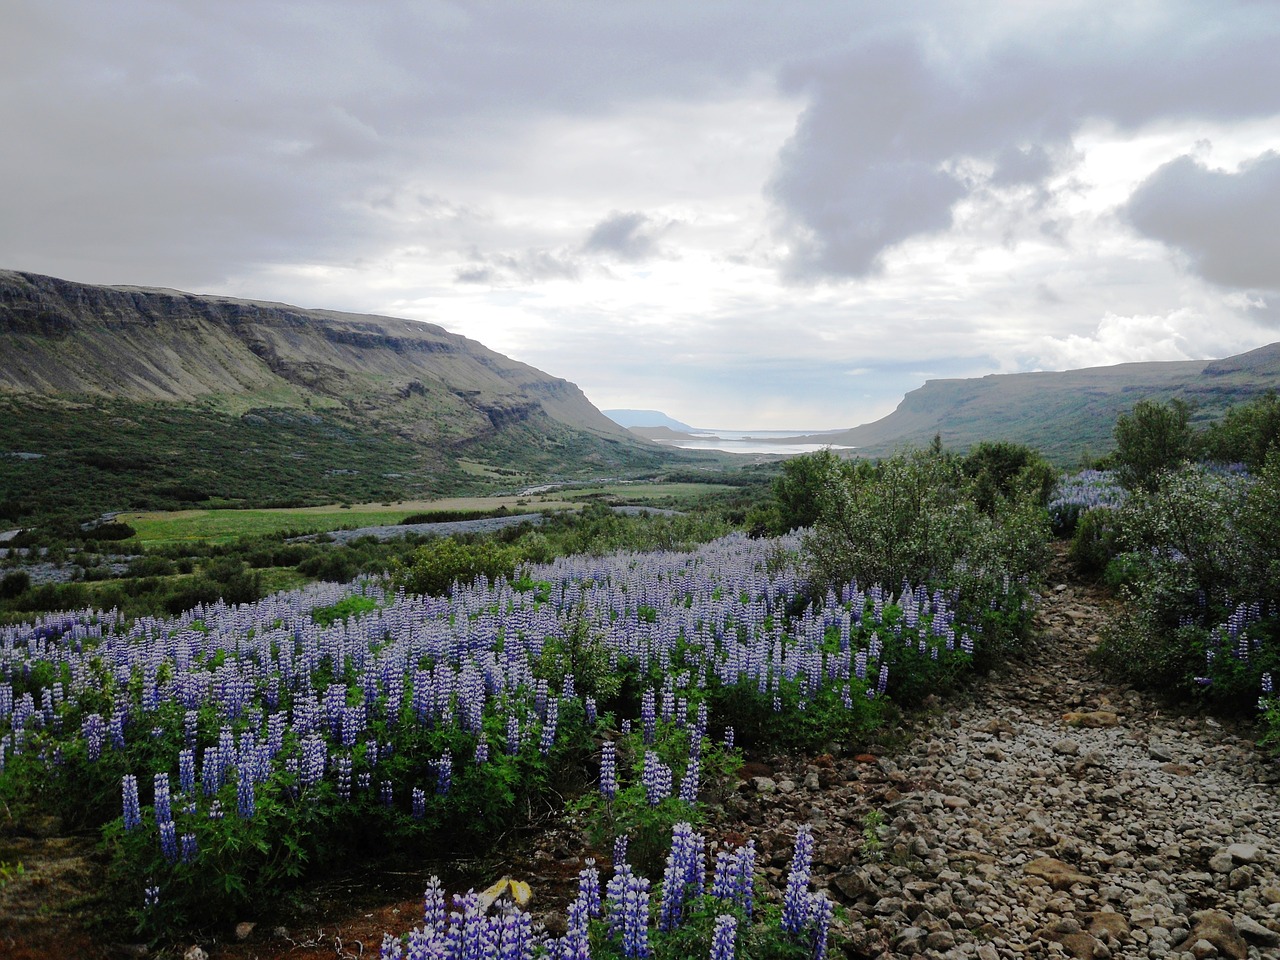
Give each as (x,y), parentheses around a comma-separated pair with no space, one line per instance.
(1052,814)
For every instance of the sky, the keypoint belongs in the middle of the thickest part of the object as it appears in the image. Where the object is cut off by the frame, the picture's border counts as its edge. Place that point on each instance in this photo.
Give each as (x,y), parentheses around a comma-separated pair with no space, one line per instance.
(745,215)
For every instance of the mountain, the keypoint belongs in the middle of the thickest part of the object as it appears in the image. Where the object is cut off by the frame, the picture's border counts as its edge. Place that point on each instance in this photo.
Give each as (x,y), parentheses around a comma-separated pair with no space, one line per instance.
(176,397)
(1063,414)
(646,418)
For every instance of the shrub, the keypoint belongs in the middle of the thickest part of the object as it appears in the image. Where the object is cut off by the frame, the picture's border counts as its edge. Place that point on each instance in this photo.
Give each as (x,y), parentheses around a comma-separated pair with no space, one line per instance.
(1151,439)
(1000,469)
(1096,541)
(14,584)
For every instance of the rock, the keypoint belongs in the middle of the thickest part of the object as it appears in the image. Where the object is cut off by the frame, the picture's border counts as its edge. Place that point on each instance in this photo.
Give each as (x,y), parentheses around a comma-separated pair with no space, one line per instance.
(1078,945)
(244,929)
(940,940)
(1241,878)
(1202,949)
(955,803)
(195,953)
(1108,922)
(1221,862)
(1216,929)
(1095,719)
(851,884)
(786,786)
(1256,933)
(1243,852)
(1066,748)
(1271,894)
(764,785)
(1179,769)
(1059,875)
(1159,751)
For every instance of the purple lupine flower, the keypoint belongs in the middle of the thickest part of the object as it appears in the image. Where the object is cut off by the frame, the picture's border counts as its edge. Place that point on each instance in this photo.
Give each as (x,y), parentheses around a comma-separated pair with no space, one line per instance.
(648,715)
(190,724)
(513,734)
(592,711)
(392,949)
(419,799)
(619,851)
(689,782)
(433,909)
(482,750)
(162,802)
(343,765)
(1266,684)
(94,729)
(628,912)
(151,897)
(132,812)
(728,738)
(883,680)
(215,810)
(190,850)
(385,790)
(744,887)
(821,910)
(576,943)
(311,767)
(722,941)
(169,840)
(684,876)
(608,770)
(548,738)
(589,887)
(795,902)
(187,771)
(657,779)
(246,803)
(444,773)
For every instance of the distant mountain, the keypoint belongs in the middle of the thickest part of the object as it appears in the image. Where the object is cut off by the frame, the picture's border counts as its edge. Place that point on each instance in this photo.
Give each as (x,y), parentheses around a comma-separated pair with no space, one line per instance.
(1062,414)
(157,396)
(646,418)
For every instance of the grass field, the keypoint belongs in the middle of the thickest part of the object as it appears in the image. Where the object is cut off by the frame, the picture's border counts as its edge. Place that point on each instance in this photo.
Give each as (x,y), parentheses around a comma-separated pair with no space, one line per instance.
(227,525)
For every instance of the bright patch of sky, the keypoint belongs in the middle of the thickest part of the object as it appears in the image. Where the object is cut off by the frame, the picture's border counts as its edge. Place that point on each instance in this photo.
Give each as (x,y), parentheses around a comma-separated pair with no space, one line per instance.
(745,215)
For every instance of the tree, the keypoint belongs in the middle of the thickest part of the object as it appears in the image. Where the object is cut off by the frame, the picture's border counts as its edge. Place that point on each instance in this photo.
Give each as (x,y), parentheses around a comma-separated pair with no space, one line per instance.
(799,490)
(1153,438)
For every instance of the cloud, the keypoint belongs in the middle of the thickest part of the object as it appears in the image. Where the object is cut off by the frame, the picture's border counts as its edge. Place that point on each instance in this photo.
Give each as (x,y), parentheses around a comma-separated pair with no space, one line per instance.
(1118,339)
(627,236)
(530,266)
(906,122)
(1226,224)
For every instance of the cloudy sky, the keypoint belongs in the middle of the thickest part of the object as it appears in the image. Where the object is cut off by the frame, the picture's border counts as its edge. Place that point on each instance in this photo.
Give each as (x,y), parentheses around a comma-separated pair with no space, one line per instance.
(744,214)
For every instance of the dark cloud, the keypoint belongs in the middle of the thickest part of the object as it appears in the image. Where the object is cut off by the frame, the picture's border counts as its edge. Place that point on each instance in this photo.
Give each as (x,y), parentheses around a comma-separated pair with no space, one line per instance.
(627,236)
(530,266)
(897,123)
(1225,223)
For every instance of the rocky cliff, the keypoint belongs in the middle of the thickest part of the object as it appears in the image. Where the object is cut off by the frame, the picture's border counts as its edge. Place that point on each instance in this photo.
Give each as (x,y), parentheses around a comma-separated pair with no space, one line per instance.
(63,338)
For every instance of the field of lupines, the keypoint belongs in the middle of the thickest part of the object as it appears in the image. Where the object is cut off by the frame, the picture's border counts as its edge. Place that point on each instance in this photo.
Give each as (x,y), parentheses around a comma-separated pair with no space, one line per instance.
(232,751)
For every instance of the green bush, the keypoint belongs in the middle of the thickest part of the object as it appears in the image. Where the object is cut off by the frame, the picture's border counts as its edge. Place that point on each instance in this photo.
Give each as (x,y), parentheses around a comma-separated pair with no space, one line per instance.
(1151,439)
(1096,540)
(1247,434)
(1001,469)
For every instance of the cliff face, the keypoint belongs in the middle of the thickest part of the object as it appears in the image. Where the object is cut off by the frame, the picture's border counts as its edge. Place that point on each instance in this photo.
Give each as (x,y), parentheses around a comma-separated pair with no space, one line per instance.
(1062,413)
(63,338)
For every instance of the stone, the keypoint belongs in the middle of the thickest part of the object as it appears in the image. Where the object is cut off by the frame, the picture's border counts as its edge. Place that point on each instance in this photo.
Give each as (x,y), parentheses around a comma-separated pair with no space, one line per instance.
(1059,875)
(1216,929)
(195,952)
(1271,894)
(1078,945)
(243,930)
(1095,719)
(1243,852)
(1108,922)
(1179,769)
(786,786)
(1066,748)
(1159,751)
(1221,862)
(764,784)
(1202,949)
(1256,933)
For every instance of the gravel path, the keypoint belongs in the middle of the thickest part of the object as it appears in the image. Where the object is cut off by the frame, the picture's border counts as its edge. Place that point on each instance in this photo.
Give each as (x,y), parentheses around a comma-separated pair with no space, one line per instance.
(1051,815)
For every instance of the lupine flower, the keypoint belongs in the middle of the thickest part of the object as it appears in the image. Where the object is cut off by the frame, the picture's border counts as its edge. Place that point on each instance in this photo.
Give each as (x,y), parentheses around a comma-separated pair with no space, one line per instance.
(722,941)
(169,840)
(187,771)
(246,804)
(386,793)
(482,750)
(392,949)
(151,897)
(419,798)
(433,908)
(795,902)
(592,715)
(657,779)
(162,807)
(94,729)
(129,789)
(684,875)
(444,773)
(628,912)
(549,728)
(589,887)
(608,770)
(821,911)
(190,850)
(648,715)
(619,851)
